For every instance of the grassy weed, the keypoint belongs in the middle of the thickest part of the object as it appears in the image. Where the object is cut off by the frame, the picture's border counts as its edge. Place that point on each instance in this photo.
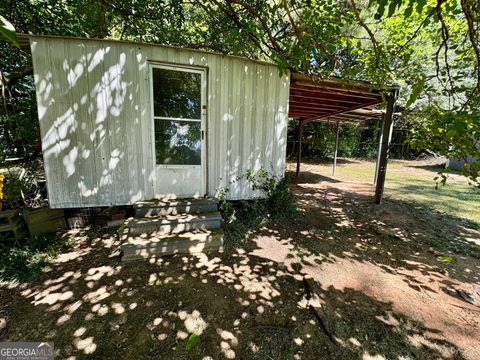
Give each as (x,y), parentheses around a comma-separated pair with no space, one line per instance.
(274,202)
(25,260)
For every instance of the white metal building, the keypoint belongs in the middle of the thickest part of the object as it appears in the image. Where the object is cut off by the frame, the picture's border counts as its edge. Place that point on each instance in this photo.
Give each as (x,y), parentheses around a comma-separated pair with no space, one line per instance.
(122,122)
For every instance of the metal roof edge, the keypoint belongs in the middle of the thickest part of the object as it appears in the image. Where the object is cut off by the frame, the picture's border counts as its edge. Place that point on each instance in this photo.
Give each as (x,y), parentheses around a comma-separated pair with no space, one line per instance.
(343,84)
(22,36)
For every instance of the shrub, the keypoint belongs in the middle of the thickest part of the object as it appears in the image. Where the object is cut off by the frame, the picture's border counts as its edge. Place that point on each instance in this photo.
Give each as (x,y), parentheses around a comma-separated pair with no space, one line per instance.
(274,202)
(24,261)
(21,187)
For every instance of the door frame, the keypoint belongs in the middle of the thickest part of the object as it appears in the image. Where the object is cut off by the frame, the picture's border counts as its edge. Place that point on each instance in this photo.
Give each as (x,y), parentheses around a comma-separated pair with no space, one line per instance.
(203,121)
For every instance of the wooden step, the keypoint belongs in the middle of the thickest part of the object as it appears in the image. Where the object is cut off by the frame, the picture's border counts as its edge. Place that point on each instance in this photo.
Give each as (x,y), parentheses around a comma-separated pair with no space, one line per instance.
(141,247)
(170,224)
(174,207)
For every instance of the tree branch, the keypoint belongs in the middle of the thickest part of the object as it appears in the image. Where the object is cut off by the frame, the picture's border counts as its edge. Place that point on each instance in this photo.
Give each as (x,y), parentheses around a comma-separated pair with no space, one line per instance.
(444,44)
(265,25)
(415,33)
(473,34)
(14,77)
(367,29)
(233,16)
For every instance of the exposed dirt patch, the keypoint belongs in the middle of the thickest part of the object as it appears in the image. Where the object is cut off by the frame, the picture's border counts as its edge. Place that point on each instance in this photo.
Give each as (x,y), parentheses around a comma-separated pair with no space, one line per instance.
(376,280)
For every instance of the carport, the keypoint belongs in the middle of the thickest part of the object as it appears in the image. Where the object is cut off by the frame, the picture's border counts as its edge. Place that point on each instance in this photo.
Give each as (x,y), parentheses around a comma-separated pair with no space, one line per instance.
(338,102)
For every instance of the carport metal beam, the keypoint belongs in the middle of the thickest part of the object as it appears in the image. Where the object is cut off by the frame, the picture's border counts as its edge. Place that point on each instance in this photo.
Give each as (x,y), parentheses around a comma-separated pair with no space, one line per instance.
(299,144)
(379,149)
(336,150)
(387,129)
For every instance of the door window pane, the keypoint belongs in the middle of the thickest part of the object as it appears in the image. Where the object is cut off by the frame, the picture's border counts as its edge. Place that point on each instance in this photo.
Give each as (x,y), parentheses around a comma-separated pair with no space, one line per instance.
(177,142)
(176,94)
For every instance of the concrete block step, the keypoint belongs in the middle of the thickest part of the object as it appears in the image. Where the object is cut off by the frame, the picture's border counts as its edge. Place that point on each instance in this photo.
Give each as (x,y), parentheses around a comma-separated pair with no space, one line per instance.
(170,224)
(175,206)
(141,247)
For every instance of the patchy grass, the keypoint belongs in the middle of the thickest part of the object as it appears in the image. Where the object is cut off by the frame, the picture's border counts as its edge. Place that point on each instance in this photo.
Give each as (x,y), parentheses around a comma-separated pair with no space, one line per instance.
(25,260)
(413,181)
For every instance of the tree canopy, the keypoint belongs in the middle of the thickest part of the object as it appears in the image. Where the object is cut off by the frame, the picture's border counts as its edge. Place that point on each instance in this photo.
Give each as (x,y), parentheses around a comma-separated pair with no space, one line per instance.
(428,47)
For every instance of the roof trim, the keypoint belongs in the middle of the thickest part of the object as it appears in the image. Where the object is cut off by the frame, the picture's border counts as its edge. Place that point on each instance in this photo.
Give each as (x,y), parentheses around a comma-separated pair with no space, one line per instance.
(23,37)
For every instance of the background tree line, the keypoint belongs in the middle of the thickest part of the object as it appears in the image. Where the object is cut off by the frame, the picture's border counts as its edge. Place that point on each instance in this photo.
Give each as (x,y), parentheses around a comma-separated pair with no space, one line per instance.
(355,140)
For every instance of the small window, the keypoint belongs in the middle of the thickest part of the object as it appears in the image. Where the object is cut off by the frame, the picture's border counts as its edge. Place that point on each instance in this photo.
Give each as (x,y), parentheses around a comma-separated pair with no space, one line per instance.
(177,142)
(176,94)
(177,113)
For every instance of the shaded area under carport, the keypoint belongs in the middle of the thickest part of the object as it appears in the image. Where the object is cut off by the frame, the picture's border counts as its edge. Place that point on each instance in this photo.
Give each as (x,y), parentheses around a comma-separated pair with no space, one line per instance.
(339,102)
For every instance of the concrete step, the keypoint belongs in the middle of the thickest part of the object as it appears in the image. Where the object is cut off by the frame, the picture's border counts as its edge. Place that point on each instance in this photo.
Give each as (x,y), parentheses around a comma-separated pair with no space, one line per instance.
(170,224)
(141,247)
(175,206)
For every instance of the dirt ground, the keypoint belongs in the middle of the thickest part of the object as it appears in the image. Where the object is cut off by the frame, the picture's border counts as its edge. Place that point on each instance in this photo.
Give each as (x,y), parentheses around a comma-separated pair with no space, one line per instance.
(347,280)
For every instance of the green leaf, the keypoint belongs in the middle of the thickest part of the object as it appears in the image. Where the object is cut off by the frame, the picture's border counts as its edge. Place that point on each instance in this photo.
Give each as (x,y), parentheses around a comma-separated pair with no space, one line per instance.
(391,8)
(446,259)
(420,5)
(417,89)
(191,342)
(380,10)
(7,31)
(408,11)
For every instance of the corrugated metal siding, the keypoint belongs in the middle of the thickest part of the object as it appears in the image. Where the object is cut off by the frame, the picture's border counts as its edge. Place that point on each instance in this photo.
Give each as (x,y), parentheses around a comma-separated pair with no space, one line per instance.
(94,112)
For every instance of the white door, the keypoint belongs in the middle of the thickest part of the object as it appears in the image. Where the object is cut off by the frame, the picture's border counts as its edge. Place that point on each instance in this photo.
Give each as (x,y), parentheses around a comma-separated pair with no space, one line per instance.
(178,111)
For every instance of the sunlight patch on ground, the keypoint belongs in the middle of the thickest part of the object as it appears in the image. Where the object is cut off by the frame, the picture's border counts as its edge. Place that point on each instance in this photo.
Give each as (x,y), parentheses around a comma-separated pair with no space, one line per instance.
(269,247)
(413,293)
(228,343)
(367,356)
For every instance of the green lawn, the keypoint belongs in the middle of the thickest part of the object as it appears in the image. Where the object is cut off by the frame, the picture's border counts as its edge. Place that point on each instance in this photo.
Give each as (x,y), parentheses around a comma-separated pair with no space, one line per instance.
(413,181)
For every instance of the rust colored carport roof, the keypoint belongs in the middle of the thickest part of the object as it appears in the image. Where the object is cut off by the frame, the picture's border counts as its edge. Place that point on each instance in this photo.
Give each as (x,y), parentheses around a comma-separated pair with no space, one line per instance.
(314,99)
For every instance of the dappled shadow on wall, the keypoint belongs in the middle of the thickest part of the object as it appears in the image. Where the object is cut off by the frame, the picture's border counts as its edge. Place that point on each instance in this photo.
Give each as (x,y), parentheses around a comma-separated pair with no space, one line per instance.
(90,113)
(95,118)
